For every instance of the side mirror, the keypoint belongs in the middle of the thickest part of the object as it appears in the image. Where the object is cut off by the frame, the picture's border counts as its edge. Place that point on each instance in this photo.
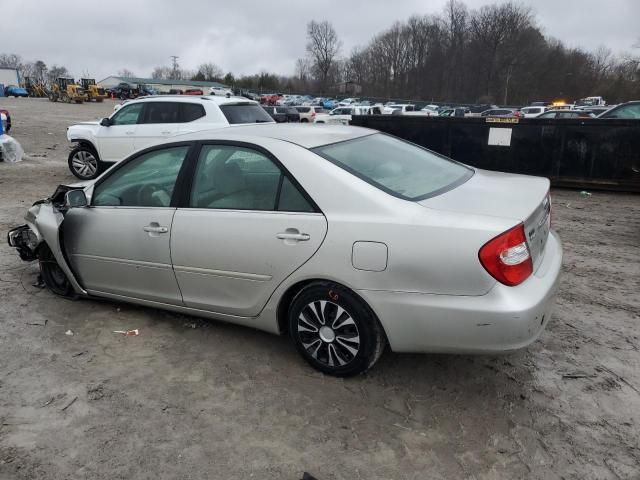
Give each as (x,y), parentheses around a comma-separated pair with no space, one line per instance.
(75,199)
(105,122)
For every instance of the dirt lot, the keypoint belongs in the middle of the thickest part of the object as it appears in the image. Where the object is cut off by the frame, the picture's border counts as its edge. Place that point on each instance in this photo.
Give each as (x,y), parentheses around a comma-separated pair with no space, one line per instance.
(194,399)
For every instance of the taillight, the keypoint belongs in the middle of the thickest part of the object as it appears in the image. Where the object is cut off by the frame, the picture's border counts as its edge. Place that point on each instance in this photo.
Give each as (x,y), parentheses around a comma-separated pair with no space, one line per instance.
(507,257)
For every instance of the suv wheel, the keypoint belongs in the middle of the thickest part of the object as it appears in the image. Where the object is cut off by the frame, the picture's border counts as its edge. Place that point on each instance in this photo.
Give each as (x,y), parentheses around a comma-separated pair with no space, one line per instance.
(84,162)
(334,330)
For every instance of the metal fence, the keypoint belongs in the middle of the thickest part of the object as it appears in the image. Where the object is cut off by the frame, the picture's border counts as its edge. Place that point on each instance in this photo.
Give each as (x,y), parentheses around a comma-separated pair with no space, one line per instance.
(576,153)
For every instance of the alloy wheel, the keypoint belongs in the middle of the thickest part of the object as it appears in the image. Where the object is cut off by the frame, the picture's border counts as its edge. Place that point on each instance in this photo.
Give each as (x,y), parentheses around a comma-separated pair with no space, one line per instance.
(84,163)
(328,333)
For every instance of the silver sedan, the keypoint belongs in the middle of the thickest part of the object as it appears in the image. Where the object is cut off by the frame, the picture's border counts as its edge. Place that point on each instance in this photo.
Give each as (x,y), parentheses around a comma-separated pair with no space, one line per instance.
(345,238)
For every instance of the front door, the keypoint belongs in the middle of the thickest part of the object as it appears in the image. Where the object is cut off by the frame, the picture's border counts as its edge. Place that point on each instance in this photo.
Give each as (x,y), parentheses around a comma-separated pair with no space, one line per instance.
(160,120)
(115,142)
(120,244)
(247,227)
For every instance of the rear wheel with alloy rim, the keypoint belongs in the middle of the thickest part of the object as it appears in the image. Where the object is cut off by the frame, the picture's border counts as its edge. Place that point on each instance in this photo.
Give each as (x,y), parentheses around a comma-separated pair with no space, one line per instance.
(334,330)
(84,163)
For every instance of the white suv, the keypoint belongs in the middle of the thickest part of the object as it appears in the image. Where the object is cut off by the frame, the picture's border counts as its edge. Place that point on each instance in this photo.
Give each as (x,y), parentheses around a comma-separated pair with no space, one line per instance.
(142,122)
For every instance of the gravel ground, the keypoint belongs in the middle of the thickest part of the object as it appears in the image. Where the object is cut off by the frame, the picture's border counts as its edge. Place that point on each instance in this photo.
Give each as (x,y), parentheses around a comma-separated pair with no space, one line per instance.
(195,399)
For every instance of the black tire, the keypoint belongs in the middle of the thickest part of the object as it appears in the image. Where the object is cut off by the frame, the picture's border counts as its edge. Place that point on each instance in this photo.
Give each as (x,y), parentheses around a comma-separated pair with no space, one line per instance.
(85,163)
(348,339)
(52,275)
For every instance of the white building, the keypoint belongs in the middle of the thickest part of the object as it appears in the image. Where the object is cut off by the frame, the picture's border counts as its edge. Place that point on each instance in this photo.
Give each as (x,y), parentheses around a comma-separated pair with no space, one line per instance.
(9,76)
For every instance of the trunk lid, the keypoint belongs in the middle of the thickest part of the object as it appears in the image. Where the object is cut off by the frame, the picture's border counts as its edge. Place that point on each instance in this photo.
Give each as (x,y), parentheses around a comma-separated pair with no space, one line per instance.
(520,198)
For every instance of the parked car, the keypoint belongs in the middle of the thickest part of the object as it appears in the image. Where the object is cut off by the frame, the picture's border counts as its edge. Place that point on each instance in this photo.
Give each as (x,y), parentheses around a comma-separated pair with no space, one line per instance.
(148,120)
(308,113)
(222,91)
(342,115)
(193,91)
(15,91)
(6,120)
(344,238)
(565,114)
(431,110)
(398,108)
(329,104)
(125,90)
(282,114)
(624,110)
(596,110)
(348,102)
(176,91)
(501,112)
(530,112)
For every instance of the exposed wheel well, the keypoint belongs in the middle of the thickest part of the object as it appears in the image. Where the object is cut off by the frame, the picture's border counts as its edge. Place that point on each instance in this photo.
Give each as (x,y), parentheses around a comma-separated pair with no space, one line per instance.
(85,143)
(285,301)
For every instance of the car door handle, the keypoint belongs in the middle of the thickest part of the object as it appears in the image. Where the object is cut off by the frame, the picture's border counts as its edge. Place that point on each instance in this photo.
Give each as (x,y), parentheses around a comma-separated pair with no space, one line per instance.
(166,132)
(129,133)
(297,236)
(155,229)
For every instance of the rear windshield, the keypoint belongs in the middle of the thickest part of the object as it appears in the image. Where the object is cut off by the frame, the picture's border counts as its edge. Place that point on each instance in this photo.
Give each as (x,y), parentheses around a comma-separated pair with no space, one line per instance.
(397,167)
(245,113)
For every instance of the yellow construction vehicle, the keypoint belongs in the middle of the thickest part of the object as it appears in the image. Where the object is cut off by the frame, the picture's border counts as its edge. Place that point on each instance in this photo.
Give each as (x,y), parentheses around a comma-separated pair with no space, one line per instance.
(92,91)
(34,89)
(66,90)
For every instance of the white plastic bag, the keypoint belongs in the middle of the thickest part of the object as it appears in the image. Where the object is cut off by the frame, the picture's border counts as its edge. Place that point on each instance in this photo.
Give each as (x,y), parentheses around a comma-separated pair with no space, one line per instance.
(10,150)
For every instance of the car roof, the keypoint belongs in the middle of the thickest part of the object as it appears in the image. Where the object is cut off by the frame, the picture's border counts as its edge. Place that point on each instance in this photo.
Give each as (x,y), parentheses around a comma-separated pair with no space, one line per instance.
(216,99)
(307,136)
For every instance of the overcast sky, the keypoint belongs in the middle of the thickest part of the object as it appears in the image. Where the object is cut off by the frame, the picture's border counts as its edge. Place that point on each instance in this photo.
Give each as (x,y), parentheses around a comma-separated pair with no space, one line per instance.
(245,36)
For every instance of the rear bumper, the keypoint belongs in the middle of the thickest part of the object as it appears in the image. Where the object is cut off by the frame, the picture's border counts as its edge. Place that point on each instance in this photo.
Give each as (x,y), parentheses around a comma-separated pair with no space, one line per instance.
(505,319)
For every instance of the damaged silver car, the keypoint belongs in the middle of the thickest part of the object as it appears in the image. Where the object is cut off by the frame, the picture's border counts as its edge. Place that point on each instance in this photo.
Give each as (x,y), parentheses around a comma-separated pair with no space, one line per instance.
(345,238)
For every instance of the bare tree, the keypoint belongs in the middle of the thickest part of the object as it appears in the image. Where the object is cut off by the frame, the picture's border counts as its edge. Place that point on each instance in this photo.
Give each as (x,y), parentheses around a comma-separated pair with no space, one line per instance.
(210,72)
(126,73)
(161,73)
(56,72)
(323,46)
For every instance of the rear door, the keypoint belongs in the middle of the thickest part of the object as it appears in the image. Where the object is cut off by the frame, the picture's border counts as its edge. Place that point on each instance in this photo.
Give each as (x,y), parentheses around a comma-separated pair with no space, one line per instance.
(160,120)
(245,228)
(116,141)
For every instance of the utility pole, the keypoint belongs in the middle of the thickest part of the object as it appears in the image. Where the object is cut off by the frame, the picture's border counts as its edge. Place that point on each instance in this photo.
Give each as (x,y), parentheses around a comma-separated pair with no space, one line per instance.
(174,62)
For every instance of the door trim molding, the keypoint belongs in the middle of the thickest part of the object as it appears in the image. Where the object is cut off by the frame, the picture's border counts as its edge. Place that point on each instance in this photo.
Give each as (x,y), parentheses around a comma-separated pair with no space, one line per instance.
(256,277)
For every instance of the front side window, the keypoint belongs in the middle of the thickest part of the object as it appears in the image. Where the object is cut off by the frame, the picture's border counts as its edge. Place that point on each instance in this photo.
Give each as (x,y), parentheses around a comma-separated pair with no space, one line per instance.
(146,181)
(395,166)
(161,112)
(238,178)
(127,115)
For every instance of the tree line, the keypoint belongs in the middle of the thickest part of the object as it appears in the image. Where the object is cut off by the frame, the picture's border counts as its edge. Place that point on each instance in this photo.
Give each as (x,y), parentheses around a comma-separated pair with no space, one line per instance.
(494,54)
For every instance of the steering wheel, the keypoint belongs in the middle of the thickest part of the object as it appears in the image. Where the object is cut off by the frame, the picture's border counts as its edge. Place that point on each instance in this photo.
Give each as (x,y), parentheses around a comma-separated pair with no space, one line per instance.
(147,195)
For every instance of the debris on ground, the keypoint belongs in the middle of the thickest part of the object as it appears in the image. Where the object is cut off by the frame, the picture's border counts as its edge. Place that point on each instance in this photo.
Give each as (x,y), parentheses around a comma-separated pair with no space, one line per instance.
(69,404)
(39,324)
(69,332)
(574,375)
(10,149)
(128,333)
(584,193)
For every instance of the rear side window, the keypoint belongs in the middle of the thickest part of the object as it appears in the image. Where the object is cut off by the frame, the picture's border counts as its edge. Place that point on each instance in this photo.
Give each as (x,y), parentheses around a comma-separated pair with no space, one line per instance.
(303,109)
(191,111)
(238,178)
(245,113)
(161,112)
(395,166)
